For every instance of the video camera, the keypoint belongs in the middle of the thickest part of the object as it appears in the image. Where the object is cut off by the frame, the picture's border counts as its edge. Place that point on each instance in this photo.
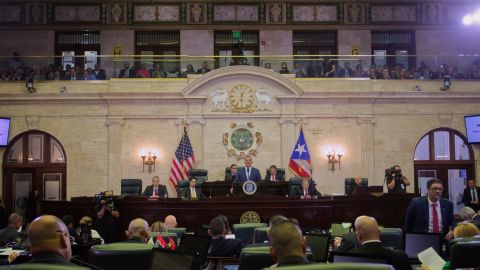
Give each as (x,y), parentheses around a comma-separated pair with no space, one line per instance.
(104,199)
(393,173)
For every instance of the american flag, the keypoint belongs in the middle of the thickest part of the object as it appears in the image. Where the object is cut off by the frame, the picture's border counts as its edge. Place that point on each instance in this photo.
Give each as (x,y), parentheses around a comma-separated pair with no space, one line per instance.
(183,160)
(300,163)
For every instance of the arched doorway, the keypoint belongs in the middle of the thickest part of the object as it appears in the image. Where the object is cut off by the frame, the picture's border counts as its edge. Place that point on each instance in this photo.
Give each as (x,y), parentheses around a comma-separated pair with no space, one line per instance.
(444,154)
(34,169)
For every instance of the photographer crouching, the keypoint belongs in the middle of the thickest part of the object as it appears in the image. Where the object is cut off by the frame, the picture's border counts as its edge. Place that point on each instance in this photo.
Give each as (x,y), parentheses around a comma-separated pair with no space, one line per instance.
(106,215)
(396,182)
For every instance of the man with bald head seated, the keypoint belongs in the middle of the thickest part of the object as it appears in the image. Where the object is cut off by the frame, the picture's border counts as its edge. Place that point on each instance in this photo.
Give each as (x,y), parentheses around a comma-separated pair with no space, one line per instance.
(368,236)
(137,231)
(170,222)
(50,241)
(288,246)
(10,232)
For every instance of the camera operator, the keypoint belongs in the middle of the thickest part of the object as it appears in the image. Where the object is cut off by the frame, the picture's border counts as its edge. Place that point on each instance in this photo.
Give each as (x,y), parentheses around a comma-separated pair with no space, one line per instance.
(396,182)
(106,215)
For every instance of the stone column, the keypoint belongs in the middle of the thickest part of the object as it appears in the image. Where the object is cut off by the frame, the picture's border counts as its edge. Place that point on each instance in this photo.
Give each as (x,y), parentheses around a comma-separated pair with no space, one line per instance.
(115,126)
(289,130)
(195,134)
(367,160)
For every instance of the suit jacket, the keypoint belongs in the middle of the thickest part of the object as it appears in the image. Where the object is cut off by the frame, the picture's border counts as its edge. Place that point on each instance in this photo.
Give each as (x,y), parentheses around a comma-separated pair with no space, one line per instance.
(349,242)
(100,75)
(293,260)
(187,193)
(467,198)
(131,73)
(230,177)
(312,191)
(416,219)
(162,191)
(222,247)
(8,234)
(278,177)
(50,258)
(254,175)
(398,259)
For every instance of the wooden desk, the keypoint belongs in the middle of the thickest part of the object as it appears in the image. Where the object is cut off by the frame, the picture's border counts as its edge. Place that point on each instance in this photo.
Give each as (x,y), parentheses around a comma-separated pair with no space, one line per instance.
(388,209)
(221,188)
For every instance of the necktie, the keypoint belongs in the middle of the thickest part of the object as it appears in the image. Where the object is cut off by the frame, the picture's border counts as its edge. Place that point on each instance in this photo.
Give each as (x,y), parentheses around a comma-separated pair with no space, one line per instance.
(474,195)
(273,177)
(305,192)
(127,72)
(435,224)
(248,173)
(193,193)
(155,191)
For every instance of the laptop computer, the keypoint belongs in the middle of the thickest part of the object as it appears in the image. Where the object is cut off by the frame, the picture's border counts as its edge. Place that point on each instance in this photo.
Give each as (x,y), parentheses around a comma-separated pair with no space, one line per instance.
(345,257)
(196,246)
(418,242)
(319,244)
(165,259)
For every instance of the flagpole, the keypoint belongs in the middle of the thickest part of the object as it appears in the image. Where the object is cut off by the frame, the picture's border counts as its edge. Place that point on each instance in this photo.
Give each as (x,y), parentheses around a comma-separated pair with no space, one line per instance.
(183,147)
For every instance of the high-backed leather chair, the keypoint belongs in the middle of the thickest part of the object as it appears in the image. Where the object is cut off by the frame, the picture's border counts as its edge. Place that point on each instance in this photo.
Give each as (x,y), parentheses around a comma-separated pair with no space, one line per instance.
(178,231)
(245,231)
(200,174)
(260,235)
(279,171)
(350,184)
(255,259)
(131,187)
(465,255)
(181,186)
(293,184)
(392,238)
(44,266)
(121,256)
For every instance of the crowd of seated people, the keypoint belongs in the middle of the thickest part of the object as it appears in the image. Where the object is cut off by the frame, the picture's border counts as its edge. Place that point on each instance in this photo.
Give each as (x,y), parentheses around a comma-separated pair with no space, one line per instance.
(16,70)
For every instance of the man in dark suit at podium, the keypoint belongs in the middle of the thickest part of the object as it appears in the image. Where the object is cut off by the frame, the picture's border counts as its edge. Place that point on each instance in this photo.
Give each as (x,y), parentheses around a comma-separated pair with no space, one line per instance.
(155,189)
(248,172)
(470,195)
(274,175)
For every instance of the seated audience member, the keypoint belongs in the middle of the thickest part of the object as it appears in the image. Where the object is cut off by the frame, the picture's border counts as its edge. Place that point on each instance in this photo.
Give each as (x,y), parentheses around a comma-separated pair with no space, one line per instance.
(89,75)
(158,72)
(329,67)
(99,73)
(307,190)
(467,214)
(87,222)
(126,72)
(192,192)
(155,189)
(137,232)
(284,68)
(159,241)
(49,241)
(73,75)
(225,223)
(189,70)
(368,236)
(465,229)
(273,221)
(298,71)
(274,175)
(170,222)
(143,72)
(288,246)
(220,246)
(345,72)
(204,68)
(70,223)
(10,233)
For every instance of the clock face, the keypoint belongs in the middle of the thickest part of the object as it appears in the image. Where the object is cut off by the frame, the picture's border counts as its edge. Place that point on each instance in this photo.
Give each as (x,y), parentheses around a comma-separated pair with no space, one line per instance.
(242,139)
(242,98)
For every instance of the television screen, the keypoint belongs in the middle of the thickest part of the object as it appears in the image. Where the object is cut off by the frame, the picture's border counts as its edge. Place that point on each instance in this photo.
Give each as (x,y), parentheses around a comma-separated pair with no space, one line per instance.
(4,130)
(472,126)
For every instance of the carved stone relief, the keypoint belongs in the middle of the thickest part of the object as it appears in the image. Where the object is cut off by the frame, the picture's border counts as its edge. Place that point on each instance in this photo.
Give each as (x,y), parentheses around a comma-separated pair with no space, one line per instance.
(235,13)
(315,13)
(10,13)
(36,13)
(432,13)
(354,13)
(197,13)
(84,13)
(156,13)
(117,13)
(394,13)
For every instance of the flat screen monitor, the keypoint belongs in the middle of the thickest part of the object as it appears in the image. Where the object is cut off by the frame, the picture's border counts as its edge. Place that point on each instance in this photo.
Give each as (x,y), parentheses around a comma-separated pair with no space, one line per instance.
(418,242)
(472,126)
(343,257)
(4,131)
(165,259)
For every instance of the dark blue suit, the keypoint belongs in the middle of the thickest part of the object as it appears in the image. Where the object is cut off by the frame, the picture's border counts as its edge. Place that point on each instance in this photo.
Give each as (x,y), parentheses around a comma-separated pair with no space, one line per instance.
(417,217)
(254,175)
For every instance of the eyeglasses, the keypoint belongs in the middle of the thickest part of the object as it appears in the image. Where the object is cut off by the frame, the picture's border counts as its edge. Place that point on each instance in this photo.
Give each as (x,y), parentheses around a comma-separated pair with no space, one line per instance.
(436,189)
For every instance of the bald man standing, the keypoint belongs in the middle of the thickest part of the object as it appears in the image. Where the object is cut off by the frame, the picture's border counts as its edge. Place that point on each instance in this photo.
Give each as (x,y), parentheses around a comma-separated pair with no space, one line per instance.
(368,236)
(50,241)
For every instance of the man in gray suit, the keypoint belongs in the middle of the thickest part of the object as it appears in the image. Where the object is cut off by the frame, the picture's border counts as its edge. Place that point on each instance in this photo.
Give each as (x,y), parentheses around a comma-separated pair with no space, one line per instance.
(10,233)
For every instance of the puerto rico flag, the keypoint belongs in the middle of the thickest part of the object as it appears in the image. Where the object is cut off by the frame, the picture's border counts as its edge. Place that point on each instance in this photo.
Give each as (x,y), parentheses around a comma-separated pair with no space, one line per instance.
(300,163)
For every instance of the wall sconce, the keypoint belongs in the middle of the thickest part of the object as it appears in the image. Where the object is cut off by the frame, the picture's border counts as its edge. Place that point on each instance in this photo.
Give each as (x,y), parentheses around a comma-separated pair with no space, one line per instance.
(333,159)
(148,160)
